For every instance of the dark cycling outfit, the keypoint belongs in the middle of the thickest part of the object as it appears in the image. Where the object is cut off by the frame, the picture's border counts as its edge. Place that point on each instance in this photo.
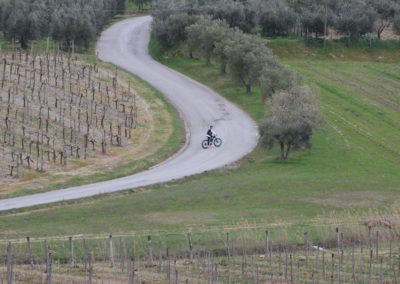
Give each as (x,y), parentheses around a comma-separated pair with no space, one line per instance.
(210,135)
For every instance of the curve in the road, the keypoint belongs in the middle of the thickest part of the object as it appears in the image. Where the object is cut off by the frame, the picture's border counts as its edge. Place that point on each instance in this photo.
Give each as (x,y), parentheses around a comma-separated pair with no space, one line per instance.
(126,44)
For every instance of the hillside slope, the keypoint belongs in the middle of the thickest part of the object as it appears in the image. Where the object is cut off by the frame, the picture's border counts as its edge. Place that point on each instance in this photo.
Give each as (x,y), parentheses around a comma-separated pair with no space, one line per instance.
(352,172)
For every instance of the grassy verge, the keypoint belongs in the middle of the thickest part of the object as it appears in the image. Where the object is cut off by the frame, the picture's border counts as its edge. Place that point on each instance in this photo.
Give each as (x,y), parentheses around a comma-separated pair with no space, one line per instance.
(349,176)
(387,51)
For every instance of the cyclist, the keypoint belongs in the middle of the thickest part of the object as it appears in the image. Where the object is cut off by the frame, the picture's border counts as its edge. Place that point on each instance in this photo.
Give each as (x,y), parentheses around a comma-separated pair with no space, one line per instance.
(210,135)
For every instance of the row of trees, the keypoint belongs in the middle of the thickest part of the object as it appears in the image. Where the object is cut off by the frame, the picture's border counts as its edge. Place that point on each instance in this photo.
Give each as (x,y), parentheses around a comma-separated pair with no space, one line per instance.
(247,57)
(294,110)
(75,21)
(350,18)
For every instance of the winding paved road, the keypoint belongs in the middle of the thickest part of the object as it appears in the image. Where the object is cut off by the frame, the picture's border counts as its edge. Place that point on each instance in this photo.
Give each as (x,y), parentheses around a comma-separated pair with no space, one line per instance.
(125,44)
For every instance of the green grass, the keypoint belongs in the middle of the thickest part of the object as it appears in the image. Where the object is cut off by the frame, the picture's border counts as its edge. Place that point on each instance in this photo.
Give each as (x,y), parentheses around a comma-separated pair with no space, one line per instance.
(293,48)
(352,169)
(132,7)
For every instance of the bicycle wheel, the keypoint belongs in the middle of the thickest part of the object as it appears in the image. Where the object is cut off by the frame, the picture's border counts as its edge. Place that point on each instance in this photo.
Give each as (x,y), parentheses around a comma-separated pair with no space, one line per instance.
(217,142)
(204,144)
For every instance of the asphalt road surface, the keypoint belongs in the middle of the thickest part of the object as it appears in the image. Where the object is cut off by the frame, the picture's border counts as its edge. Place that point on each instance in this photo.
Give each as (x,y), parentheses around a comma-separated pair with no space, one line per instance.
(125,44)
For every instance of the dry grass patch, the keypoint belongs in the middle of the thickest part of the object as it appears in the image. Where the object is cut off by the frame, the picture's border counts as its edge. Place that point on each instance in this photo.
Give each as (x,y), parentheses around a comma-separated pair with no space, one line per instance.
(172,218)
(364,199)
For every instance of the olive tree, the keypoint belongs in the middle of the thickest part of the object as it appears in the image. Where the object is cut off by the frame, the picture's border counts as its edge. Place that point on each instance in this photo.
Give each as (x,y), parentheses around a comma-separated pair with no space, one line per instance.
(315,16)
(103,10)
(72,22)
(354,18)
(194,37)
(78,20)
(121,6)
(386,11)
(290,120)
(163,9)
(396,24)
(176,27)
(247,56)
(170,23)
(159,31)
(275,17)
(276,77)
(235,13)
(205,34)
(313,19)
(23,20)
(221,46)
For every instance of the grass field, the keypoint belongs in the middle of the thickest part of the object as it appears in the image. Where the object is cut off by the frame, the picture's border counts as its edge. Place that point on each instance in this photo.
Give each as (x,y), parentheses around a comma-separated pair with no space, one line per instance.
(352,172)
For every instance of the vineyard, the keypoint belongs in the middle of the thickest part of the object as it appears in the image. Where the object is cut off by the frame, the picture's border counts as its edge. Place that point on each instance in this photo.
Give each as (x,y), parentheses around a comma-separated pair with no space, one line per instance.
(57,111)
(371,257)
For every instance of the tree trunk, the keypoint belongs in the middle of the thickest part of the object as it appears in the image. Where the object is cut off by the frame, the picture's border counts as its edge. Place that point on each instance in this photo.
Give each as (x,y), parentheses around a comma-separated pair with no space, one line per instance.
(325,22)
(208,59)
(282,145)
(247,85)
(248,88)
(289,146)
(222,67)
(380,30)
(348,38)
(306,36)
(24,43)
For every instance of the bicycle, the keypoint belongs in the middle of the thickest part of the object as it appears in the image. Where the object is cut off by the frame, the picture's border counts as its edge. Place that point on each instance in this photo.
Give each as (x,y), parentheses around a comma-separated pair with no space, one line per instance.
(217,142)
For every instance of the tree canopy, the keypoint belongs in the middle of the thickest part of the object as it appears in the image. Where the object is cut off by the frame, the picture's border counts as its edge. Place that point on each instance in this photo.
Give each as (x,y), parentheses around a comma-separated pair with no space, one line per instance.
(354,17)
(385,10)
(351,18)
(290,120)
(64,21)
